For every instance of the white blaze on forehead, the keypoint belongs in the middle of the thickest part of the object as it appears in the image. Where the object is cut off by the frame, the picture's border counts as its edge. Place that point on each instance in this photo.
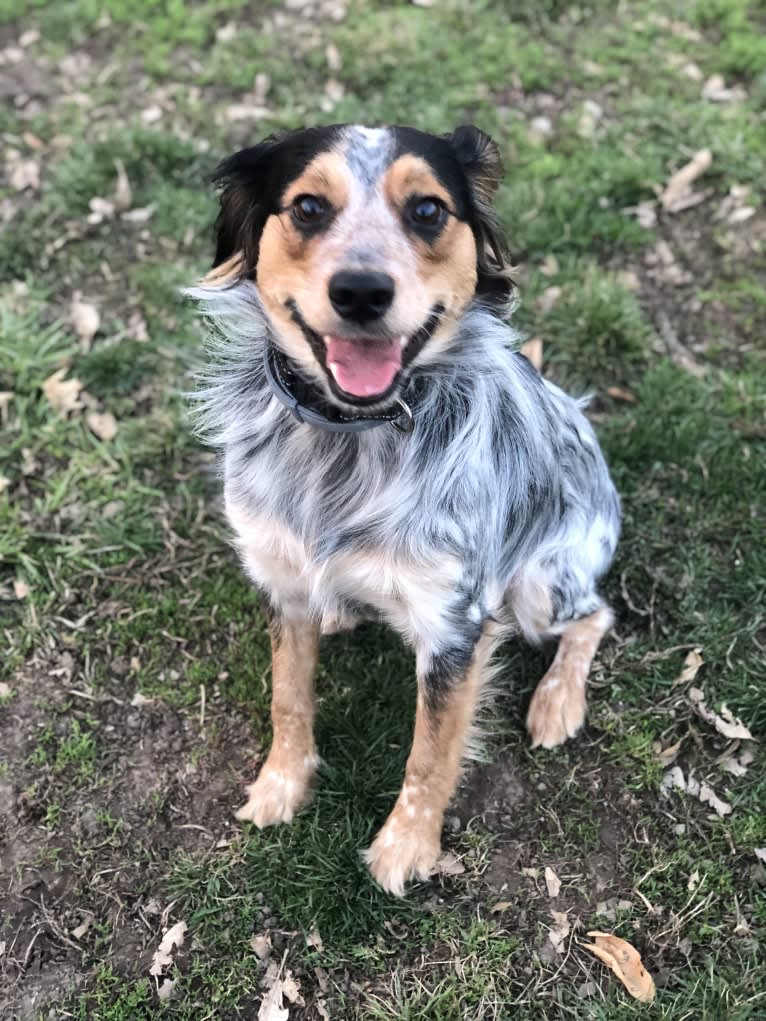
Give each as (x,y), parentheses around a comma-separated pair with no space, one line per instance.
(368,152)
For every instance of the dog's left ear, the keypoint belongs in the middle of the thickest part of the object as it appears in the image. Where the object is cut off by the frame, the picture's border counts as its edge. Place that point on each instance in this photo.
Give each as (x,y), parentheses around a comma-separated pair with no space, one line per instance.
(479,156)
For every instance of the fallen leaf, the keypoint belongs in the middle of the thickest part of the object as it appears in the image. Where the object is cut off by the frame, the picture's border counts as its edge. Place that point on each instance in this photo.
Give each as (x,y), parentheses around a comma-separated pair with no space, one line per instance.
(531,872)
(625,961)
(548,299)
(20,588)
(123,193)
(139,700)
(261,946)
(333,57)
(691,667)
(533,351)
(586,990)
(173,938)
(5,690)
(694,881)
(86,320)
(669,754)
(561,929)
(315,940)
(103,424)
(4,483)
(82,928)
(552,882)
(278,989)
(725,723)
(760,853)
(622,395)
(62,394)
(291,988)
(448,865)
(677,192)
(502,905)
(24,174)
(709,797)
(733,766)
(141,214)
(716,91)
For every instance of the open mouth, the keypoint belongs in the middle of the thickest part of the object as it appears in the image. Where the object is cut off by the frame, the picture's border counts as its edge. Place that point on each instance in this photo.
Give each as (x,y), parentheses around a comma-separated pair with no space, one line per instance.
(364,367)
(366,370)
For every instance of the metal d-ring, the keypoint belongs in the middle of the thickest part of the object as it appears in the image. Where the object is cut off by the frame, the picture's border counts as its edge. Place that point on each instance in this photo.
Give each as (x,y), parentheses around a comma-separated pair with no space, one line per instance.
(409,421)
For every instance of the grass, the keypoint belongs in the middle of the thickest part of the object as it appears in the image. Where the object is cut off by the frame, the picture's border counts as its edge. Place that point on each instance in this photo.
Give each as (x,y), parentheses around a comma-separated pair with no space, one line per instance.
(116,577)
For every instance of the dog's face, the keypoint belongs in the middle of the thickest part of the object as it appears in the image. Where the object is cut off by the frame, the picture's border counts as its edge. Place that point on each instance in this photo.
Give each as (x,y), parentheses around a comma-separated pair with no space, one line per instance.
(366,245)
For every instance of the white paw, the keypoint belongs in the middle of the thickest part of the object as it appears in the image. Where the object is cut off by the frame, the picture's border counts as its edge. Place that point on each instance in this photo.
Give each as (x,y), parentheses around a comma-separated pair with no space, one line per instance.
(275,797)
(556,712)
(402,851)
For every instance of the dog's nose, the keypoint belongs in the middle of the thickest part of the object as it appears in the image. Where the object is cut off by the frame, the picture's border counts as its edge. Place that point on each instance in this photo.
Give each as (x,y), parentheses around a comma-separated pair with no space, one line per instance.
(361,295)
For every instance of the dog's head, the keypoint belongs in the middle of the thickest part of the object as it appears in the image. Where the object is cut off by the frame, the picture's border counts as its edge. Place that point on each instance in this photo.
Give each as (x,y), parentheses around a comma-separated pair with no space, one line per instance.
(366,246)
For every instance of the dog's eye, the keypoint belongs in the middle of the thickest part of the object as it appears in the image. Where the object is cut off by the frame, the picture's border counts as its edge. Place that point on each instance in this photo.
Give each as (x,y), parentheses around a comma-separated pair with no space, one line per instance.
(309,209)
(427,212)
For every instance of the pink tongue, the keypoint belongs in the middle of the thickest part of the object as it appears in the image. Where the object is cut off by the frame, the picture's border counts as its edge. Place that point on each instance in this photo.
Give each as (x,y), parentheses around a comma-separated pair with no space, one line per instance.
(364,368)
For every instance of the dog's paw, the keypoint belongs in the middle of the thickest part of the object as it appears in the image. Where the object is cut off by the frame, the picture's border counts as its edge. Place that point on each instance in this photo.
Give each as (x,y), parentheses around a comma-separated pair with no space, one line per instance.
(402,851)
(275,796)
(556,712)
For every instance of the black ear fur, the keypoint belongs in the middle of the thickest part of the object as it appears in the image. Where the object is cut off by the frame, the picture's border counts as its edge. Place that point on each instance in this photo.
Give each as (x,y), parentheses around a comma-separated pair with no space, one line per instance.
(479,156)
(244,185)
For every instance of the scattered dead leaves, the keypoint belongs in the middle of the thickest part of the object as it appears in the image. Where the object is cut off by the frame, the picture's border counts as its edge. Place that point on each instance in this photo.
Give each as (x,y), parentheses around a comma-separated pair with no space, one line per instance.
(162,958)
(552,882)
(558,933)
(86,320)
(675,779)
(725,723)
(625,961)
(279,989)
(691,667)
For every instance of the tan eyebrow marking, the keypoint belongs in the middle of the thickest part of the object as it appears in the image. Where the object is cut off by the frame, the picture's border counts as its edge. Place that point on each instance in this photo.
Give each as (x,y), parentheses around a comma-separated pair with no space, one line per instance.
(410,175)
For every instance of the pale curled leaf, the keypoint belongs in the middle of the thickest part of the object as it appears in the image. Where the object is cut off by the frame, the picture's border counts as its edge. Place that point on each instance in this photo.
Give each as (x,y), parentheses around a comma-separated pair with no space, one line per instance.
(86,320)
(625,961)
(678,189)
(261,946)
(560,930)
(725,723)
(123,193)
(449,865)
(552,882)
(708,796)
(691,667)
(102,424)
(163,955)
(62,394)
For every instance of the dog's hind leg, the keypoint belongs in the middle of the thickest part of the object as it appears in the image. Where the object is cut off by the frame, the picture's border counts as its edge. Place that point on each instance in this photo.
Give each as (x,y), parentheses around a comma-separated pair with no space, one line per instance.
(284,783)
(409,842)
(557,709)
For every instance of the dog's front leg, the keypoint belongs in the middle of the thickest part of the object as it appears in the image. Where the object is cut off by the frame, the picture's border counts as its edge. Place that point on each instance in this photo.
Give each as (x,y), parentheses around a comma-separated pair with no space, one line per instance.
(284,783)
(409,842)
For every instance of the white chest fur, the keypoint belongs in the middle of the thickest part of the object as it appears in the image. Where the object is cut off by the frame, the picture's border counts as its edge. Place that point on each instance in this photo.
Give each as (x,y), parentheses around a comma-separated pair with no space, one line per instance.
(414,597)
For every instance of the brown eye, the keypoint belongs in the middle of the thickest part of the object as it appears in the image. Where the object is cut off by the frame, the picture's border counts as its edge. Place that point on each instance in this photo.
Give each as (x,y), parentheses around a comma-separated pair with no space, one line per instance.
(427,212)
(309,209)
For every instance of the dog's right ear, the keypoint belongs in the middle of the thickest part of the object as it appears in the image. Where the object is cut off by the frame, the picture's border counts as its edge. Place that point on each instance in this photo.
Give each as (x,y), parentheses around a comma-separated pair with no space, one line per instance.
(246,203)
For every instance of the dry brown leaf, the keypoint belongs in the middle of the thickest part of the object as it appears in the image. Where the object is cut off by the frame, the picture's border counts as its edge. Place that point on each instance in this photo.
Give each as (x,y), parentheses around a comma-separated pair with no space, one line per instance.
(726,724)
(82,928)
(533,351)
(669,754)
(678,189)
(102,424)
(552,882)
(548,299)
(502,905)
(24,174)
(20,588)
(261,946)
(315,940)
(4,483)
(760,853)
(449,865)
(708,796)
(625,961)
(166,989)
(619,394)
(163,955)
(5,690)
(86,320)
(691,667)
(560,930)
(62,394)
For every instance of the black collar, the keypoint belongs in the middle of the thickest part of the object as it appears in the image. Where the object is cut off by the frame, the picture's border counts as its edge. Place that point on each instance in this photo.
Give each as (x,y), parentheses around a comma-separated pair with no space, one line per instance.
(310,408)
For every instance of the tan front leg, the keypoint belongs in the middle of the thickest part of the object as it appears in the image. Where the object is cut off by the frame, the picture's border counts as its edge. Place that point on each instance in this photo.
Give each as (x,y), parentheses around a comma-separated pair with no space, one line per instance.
(409,842)
(284,783)
(557,709)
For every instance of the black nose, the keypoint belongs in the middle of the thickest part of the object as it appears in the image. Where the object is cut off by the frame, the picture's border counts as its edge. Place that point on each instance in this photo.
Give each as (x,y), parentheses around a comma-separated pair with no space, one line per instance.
(361,295)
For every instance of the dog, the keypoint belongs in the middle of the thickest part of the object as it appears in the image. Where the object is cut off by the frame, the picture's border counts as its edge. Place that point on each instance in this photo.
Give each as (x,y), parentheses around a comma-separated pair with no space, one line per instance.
(388,452)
